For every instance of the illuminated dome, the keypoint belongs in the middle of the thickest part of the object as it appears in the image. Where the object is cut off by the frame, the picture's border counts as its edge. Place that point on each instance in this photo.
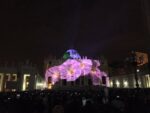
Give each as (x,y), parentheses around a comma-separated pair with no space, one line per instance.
(71,54)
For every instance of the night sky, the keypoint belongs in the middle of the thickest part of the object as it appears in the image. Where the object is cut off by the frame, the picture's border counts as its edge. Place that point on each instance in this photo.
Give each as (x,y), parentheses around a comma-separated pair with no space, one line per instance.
(34,29)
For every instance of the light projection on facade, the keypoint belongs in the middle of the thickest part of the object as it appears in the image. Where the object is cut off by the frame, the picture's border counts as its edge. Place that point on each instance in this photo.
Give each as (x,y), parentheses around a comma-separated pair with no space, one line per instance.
(71,54)
(75,67)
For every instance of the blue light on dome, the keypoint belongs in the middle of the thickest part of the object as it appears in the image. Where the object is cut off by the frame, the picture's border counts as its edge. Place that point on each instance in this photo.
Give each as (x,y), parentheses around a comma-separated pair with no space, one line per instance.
(73,54)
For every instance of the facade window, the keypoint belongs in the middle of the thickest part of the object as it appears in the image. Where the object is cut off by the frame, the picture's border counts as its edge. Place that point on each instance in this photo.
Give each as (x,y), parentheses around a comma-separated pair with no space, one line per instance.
(26,79)
(13,90)
(7,77)
(139,82)
(14,77)
(77,82)
(103,80)
(82,81)
(125,84)
(111,84)
(72,83)
(147,80)
(89,82)
(1,81)
(49,79)
(49,86)
(64,82)
(117,83)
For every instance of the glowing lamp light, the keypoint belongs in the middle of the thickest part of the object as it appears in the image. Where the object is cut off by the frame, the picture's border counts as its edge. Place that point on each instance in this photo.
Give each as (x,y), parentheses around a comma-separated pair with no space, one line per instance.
(41,85)
(118,83)
(50,86)
(111,83)
(125,84)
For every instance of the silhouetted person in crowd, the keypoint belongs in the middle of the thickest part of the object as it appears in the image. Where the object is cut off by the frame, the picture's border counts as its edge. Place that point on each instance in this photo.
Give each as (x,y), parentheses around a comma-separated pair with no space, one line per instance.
(58,109)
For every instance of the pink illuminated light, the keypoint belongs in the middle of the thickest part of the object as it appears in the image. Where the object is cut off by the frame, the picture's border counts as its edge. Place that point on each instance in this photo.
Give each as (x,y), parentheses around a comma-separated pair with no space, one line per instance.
(72,69)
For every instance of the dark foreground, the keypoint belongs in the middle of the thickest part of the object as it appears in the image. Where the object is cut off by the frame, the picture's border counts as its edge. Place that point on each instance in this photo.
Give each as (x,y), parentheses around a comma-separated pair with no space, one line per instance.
(119,101)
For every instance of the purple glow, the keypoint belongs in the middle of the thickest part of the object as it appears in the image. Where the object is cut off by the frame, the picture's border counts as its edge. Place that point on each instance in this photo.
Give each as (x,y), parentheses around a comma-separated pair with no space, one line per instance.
(85,66)
(95,72)
(104,74)
(62,70)
(53,73)
(96,63)
(73,54)
(95,80)
(72,69)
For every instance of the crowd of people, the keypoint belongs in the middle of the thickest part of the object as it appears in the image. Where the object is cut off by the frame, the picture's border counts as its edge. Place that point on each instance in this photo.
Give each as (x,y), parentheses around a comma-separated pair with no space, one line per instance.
(76,101)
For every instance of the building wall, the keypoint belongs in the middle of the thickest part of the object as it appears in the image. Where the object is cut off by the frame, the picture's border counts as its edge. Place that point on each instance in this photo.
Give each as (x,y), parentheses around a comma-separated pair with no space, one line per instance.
(12,78)
(52,61)
(128,81)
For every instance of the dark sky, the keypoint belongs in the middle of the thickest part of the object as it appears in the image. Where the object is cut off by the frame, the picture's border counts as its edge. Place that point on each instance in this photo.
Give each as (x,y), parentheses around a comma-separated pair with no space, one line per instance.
(36,28)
